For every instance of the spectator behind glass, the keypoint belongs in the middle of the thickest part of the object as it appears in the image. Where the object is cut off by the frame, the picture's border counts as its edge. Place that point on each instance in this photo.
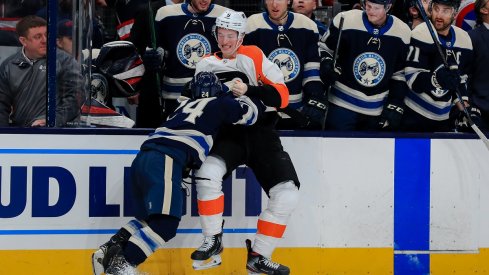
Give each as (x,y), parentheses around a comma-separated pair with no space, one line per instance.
(307,8)
(479,82)
(64,36)
(65,10)
(23,80)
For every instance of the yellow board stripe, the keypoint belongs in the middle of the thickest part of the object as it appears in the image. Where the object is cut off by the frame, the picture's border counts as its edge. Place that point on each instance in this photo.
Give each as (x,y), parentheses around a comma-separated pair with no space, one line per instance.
(305,261)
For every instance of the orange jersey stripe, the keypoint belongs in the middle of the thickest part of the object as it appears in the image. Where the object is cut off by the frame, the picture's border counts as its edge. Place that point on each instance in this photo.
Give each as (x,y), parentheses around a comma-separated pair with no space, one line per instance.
(211,207)
(271,229)
(257,56)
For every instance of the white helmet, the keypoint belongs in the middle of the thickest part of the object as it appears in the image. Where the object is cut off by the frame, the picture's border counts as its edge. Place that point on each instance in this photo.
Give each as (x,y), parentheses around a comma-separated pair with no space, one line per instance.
(232,20)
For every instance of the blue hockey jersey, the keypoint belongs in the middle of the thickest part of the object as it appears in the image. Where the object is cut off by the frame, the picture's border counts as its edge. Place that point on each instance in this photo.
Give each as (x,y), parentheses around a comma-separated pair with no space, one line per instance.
(372,62)
(426,96)
(187,38)
(294,48)
(194,123)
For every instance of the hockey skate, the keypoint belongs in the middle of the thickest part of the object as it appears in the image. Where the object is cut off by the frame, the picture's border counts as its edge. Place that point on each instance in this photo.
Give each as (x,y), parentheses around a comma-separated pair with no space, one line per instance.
(208,255)
(117,265)
(99,260)
(257,264)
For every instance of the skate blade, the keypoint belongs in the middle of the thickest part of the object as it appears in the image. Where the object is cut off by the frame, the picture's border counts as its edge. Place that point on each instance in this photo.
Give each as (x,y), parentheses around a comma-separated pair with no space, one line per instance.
(209,263)
(97,266)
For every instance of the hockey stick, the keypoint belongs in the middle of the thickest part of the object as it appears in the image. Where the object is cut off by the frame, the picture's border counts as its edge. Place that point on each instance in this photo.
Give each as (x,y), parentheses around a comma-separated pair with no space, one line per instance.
(152,31)
(445,63)
(335,58)
(336,50)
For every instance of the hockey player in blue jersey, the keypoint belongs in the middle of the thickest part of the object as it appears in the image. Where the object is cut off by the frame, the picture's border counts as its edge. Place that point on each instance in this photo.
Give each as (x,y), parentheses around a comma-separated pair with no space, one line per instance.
(184,37)
(432,85)
(290,40)
(367,81)
(182,142)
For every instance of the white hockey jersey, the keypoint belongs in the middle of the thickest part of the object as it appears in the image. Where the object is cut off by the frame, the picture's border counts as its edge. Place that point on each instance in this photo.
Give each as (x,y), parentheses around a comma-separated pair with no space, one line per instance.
(250,66)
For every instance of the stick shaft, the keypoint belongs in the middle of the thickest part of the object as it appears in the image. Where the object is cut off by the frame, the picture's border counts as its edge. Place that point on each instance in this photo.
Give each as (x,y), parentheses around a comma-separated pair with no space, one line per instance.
(445,63)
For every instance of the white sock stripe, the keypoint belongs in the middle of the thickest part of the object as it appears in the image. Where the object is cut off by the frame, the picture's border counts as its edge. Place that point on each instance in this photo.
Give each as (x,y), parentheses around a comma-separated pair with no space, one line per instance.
(134,225)
(136,239)
(155,238)
(168,185)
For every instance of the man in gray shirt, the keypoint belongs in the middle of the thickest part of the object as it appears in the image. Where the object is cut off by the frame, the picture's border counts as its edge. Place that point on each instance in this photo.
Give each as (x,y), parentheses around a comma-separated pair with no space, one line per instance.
(23,80)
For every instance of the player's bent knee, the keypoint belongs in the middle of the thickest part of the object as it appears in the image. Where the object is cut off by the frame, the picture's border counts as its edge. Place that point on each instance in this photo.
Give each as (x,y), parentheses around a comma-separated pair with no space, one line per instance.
(284,198)
(210,173)
(164,226)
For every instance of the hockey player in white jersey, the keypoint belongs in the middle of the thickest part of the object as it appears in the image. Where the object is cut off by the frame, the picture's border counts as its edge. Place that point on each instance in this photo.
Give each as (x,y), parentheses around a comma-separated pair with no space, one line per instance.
(368,85)
(246,71)
(432,85)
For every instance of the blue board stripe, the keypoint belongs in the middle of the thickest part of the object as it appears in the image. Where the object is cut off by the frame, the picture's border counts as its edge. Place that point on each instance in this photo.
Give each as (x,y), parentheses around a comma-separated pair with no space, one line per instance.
(411,264)
(411,205)
(69,151)
(110,231)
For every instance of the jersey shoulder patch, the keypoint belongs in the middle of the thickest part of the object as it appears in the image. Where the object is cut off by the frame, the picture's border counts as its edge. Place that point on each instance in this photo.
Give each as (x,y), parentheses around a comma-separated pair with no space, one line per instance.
(302,21)
(256,21)
(217,10)
(167,11)
(352,20)
(462,38)
(400,29)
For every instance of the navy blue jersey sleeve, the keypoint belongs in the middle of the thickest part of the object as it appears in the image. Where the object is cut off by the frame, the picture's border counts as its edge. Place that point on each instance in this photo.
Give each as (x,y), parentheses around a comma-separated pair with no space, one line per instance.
(241,110)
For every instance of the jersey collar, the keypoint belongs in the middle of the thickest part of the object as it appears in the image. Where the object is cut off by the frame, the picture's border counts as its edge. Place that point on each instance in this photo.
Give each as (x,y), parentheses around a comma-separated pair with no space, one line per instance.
(375,31)
(185,9)
(279,28)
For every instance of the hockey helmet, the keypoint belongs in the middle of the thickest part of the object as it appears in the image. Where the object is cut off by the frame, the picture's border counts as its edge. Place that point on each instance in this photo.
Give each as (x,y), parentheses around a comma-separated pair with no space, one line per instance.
(202,85)
(232,20)
(451,3)
(120,62)
(381,2)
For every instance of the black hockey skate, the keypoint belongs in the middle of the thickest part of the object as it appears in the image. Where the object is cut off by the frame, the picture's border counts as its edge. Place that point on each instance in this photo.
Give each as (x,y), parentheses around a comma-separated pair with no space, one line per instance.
(257,264)
(99,259)
(208,255)
(118,264)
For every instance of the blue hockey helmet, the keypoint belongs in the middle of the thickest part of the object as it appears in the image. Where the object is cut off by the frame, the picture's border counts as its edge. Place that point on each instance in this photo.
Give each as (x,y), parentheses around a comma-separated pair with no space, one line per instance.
(381,2)
(204,84)
(452,3)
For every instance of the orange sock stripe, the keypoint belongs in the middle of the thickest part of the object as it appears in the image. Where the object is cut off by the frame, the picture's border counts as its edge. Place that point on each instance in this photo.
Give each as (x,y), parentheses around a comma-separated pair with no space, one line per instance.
(271,229)
(211,207)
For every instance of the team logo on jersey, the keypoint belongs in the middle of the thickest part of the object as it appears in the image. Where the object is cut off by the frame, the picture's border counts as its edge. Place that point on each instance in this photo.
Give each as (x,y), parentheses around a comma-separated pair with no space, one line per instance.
(369,69)
(438,91)
(192,48)
(287,61)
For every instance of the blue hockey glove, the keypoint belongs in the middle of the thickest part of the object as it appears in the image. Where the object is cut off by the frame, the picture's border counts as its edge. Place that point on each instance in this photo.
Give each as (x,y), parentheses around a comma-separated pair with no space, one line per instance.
(329,74)
(315,111)
(390,118)
(153,59)
(448,78)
